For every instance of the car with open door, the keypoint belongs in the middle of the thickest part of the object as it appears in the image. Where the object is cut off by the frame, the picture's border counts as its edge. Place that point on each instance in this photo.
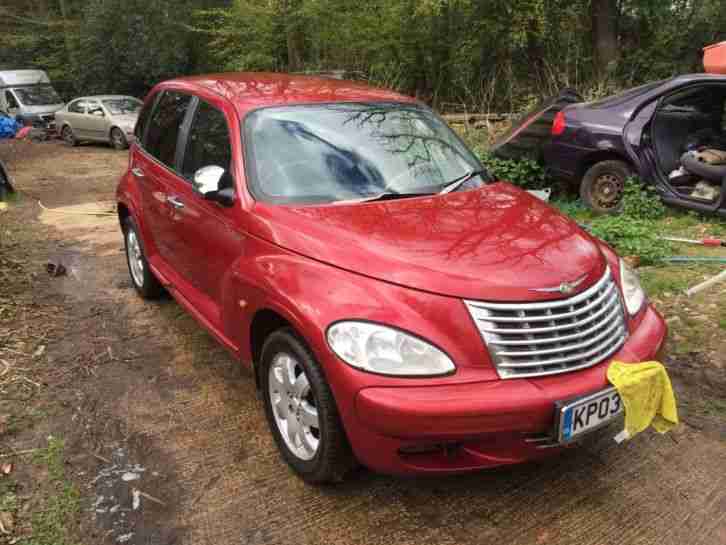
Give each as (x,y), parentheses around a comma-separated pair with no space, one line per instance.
(396,305)
(670,133)
(103,118)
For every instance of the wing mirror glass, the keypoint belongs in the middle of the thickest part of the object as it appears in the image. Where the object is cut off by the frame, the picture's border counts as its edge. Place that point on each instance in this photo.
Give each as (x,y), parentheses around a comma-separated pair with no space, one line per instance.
(215,183)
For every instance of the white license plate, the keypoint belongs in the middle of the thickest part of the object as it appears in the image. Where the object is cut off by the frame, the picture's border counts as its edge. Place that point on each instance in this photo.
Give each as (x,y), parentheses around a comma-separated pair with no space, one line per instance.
(587,413)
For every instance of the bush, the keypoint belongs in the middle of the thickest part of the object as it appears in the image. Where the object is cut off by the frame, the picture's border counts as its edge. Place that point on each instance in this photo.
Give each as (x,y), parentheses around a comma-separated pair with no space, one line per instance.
(634,232)
(525,173)
(632,237)
(641,201)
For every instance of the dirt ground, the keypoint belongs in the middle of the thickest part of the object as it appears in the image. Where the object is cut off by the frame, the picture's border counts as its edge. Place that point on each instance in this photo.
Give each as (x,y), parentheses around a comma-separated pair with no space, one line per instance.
(126,423)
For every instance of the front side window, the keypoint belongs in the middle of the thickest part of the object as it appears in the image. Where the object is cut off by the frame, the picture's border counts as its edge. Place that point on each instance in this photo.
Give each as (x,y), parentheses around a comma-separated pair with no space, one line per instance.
(208,143)
(77,107)
(120,106)
(348,151)
(165,124)
(38,95)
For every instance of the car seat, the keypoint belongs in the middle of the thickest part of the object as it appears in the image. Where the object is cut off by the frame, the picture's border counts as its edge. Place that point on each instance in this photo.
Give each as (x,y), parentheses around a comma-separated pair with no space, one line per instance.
(706,163)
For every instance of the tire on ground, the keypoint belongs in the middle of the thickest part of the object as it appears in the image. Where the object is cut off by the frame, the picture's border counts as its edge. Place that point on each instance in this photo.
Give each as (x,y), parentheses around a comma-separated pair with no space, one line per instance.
(150,288)
(602,186)
(333,458)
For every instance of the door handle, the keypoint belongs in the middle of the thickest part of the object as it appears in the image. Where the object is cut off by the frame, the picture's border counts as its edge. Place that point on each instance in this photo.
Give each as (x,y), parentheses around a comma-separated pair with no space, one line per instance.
(174,201)
(136,171)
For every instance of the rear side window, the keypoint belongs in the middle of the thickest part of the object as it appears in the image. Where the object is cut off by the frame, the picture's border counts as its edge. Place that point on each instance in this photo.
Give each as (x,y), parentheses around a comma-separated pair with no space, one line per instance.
(208,143)
(164,126)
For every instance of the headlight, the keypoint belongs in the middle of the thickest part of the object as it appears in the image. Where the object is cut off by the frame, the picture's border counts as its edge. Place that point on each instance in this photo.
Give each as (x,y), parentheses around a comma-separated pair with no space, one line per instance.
(632,291)
(386,351)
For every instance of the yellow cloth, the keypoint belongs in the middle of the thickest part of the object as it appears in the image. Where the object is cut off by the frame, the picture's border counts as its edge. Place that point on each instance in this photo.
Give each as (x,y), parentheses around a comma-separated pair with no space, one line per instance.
(647,395)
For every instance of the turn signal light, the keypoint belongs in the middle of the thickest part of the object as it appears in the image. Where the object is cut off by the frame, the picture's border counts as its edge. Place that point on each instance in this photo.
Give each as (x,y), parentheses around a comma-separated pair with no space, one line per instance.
(559,124)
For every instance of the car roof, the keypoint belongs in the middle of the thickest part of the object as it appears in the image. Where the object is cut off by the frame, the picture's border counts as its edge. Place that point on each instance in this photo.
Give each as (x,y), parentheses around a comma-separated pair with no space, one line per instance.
(103,97)
(251,90)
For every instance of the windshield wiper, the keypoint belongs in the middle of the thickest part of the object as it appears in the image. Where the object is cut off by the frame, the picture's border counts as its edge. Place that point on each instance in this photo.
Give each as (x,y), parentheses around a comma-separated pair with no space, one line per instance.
(455,184)
(384,196)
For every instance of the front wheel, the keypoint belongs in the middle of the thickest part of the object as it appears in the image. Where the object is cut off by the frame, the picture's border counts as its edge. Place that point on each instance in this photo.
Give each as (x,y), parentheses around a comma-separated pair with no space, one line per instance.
(68,136)
(118,139)
(603,186)
(301,410)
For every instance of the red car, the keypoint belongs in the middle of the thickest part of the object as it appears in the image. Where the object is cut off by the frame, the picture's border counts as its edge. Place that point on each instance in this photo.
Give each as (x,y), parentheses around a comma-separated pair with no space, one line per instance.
(399,307)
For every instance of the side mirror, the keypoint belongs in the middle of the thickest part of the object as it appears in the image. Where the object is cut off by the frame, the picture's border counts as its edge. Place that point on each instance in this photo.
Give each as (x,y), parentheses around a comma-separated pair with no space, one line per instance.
(207,181)
(98,112)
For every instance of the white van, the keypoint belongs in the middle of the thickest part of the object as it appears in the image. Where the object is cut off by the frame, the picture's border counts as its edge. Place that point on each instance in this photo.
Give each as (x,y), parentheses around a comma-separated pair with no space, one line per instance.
(28,96)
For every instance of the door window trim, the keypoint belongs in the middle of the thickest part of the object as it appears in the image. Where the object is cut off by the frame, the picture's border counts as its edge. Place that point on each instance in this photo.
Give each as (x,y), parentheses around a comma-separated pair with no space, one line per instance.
(174,169)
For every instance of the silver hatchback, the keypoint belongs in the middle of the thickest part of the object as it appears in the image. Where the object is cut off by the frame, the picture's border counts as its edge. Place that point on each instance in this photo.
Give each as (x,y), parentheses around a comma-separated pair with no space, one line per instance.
(103,118)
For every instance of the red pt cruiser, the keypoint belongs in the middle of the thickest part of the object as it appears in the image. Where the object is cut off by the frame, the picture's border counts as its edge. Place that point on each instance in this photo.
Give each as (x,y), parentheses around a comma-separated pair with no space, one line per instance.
(399,307)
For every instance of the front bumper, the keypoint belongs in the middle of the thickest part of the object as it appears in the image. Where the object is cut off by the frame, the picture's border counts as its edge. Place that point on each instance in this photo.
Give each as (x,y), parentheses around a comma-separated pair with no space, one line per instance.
(462,427)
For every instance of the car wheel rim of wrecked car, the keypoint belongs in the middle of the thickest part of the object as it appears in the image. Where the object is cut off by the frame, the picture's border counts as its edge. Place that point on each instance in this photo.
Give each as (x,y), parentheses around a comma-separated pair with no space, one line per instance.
(293,406)
(608,190)
(136,263)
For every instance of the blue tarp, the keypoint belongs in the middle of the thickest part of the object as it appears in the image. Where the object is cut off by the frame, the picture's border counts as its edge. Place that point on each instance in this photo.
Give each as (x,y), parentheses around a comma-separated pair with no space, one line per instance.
(8,127)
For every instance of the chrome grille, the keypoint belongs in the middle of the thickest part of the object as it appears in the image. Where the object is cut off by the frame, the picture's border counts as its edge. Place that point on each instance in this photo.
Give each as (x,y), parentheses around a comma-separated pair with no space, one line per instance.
(550,337)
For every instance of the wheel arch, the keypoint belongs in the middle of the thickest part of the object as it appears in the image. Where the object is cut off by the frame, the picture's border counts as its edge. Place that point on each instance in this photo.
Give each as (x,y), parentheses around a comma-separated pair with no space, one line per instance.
(123,212)
(598,157)
(264,322)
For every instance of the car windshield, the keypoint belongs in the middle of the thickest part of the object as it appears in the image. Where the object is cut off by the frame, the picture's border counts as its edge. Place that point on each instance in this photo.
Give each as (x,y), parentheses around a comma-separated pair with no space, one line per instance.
(353,151)
(37,95)
(120,106)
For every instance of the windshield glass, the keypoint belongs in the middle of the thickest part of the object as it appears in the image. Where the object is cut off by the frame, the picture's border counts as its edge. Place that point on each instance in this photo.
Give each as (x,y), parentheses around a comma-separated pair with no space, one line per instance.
(37,95)
(341,152)
(120,106)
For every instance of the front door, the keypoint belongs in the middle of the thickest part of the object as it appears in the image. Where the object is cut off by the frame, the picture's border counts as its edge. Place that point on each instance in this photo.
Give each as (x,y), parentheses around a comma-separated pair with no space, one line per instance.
(154,164)
(95,123)
(207,237)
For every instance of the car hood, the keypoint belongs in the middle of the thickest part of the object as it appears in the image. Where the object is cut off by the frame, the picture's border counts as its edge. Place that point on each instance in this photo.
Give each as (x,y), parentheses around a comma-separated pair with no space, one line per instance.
(495,243)
(40,110)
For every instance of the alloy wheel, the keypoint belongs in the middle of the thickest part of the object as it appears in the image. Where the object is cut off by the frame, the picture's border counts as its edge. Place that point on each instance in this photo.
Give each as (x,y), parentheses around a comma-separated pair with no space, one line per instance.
(293,406)
(68,135)
(135,256)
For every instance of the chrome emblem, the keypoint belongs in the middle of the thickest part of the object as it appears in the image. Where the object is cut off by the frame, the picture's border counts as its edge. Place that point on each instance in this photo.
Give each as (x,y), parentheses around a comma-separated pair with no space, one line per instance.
(566,288)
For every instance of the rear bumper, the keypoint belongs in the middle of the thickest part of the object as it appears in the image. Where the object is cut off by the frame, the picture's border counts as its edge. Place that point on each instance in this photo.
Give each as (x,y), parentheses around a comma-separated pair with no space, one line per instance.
(452,428)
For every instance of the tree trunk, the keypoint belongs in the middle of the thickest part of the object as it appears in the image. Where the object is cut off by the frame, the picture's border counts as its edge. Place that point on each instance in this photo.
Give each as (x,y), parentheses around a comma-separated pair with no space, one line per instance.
(293,34)
(605,34)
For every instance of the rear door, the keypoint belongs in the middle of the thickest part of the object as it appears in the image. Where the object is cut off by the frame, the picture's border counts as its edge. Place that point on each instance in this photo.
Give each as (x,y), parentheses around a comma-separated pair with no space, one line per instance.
(208,241)
(154,164)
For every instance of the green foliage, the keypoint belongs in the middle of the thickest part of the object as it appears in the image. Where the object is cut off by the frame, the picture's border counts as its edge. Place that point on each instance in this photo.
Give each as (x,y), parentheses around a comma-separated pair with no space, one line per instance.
(525,173)
(641,201)
(632,237)
(491,56)
(633,232)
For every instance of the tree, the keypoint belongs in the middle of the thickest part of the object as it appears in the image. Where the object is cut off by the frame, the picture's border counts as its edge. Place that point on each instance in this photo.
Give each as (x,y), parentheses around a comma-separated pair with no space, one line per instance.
(604,15)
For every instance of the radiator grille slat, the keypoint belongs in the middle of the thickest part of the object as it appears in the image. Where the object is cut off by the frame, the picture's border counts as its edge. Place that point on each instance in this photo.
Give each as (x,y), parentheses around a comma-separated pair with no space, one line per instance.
(545,338)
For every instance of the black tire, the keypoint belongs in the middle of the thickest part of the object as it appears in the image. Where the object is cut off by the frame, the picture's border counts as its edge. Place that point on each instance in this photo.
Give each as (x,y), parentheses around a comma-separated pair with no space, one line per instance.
(118,139)
(333,458)
(603,185)
(68,136)
(147,284)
